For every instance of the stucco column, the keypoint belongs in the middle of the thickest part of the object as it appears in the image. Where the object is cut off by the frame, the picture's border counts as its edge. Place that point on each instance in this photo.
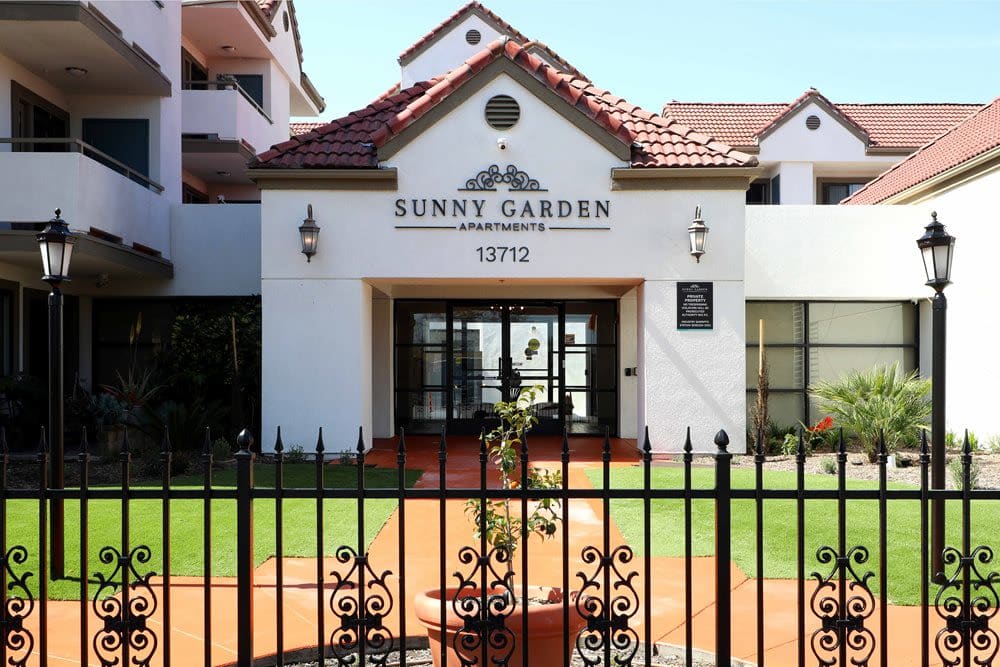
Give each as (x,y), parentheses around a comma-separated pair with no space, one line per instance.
(317,362)
(691,378)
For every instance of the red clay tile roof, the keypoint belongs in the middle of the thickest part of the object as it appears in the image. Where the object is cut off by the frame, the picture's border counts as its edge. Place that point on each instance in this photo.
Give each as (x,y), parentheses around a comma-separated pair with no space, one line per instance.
(302,128)
(462,12)
(353,141)
(890,126)
(561,64)
(977,135)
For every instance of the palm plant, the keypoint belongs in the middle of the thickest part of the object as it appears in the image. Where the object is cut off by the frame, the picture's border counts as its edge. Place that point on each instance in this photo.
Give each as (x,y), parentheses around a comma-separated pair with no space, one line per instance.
(877,402)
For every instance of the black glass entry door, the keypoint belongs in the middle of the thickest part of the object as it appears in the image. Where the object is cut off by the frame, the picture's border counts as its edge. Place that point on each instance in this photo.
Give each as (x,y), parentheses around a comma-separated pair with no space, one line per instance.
(496,350)
(455,359)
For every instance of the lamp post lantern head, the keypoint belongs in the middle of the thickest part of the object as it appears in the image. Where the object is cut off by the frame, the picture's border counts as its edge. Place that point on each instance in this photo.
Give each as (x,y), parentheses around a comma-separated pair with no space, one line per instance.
(309,233)
(56,245)
(696,234)
(937,247)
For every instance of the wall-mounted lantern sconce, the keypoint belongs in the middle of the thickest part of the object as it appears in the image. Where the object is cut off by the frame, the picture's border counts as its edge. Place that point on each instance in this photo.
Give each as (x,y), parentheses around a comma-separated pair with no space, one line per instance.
(309,231)
(697,233)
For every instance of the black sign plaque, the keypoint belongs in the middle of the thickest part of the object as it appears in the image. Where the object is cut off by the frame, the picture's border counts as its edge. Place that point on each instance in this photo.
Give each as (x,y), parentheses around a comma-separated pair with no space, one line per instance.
(695,309)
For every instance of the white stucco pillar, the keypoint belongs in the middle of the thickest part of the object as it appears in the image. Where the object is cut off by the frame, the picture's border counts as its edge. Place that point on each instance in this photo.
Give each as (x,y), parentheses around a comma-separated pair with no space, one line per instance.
(798,185)
(627,358)
(692,378)
(317,362)
(382,364)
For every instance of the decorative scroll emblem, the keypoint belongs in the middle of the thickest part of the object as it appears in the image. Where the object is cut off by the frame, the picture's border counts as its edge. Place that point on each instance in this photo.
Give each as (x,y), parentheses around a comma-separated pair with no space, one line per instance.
(843,601)
(967,602)
(489,178)
(125,617)
(607,622)
(362,613)
(18,605)
(484,628)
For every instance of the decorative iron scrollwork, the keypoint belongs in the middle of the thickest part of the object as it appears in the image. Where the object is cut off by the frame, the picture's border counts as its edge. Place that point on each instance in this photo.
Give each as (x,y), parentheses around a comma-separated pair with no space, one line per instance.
(967,627)
(484,627)
(842,613)
(608,627)
(19,605)
(361,625)
(125,626)
(489,178)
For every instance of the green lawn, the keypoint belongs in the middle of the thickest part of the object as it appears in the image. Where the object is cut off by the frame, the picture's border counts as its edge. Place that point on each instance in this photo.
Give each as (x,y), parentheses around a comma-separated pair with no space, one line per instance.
(186,517)
(903,535)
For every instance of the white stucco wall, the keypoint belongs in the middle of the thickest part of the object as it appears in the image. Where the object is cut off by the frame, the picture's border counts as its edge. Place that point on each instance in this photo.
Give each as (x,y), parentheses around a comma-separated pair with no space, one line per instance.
(834,252)
(449,51)
(970,213)
(360,242)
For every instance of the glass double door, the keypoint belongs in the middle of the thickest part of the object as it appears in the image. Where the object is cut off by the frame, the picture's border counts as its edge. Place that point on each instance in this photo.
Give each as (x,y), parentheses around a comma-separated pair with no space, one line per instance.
(498,349)
(455,359)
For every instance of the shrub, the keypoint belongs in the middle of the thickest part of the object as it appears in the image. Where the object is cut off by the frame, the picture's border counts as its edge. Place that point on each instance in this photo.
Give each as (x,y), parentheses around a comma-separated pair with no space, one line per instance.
(954,441)
(828,465)
(880,400)
(295,454)
(955,468)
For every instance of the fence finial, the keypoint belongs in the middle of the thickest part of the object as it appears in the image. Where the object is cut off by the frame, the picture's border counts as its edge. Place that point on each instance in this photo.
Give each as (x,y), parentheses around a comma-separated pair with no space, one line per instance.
(126,445)
(688,448)
(3,441)
(361,440)
(165,446)
(924,449)
(43,444)
(206,447)
(881,445)
(244,440)
(279,446)
(966,444)
(565,445)
(319,442)
(443,446)
(482,446)
(607,445)
(524,446)
(84,445)
(647,447)
(722,441)
(841,443)
(800,452)
(401,452)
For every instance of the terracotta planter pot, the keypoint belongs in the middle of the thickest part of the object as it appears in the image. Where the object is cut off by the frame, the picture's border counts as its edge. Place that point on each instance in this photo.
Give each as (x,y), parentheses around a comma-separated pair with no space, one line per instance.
(545,630)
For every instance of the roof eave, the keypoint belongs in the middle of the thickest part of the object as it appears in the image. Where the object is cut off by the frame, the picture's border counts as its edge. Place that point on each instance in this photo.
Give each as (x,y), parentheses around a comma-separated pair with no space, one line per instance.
(947,179)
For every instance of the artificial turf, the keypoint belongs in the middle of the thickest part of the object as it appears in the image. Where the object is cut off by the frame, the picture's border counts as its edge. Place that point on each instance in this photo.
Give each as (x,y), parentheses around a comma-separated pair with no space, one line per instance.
(780,538)
(186,525)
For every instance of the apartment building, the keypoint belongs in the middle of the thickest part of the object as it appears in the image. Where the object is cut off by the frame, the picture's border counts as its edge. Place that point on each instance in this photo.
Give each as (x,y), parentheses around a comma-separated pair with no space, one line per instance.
(136,120)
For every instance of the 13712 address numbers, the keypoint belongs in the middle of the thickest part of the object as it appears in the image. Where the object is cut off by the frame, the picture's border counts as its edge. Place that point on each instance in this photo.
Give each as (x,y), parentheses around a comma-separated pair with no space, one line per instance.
(493,253)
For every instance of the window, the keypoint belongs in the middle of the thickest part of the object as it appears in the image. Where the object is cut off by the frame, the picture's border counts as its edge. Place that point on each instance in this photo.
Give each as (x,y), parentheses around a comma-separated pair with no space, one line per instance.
(776,189)
(759,192)
(124,139)
(35,117)
(252,84)
(834,193)
(192,73)
(823,340)
(192,195)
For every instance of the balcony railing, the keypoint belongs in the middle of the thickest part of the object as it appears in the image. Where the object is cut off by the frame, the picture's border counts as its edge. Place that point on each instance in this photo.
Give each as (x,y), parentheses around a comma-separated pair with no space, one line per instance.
(71,145)
(227,84)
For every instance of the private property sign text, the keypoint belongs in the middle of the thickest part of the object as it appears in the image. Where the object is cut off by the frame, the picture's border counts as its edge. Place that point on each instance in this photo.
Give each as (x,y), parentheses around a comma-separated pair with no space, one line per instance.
(694,306)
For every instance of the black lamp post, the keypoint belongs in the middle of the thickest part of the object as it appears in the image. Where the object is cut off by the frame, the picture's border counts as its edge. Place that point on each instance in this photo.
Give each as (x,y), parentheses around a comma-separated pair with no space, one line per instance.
(937,247)
(56,244)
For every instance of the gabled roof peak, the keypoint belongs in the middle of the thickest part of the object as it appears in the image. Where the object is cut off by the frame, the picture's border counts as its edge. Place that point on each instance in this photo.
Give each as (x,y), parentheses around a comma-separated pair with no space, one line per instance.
(813,96)
(648,140)
(437,31)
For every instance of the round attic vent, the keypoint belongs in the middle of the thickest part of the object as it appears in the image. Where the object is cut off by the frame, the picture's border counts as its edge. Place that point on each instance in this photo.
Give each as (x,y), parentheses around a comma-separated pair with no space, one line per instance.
(502,112)
(473,36)
(812,122)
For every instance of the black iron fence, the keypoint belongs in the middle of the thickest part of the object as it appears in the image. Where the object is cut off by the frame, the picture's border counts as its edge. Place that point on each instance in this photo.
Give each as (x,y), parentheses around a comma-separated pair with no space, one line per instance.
(843,621)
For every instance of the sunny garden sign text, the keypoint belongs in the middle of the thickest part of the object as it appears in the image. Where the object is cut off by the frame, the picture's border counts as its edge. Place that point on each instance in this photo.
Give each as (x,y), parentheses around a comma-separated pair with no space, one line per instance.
(523,213)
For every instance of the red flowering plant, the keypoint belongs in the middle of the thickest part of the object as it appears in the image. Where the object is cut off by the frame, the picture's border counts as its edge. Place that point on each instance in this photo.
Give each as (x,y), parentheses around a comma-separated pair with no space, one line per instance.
(812,436)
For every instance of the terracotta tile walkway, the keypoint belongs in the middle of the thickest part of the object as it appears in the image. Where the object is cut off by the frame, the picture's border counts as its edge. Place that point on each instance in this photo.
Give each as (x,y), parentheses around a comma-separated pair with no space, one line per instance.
(422,563)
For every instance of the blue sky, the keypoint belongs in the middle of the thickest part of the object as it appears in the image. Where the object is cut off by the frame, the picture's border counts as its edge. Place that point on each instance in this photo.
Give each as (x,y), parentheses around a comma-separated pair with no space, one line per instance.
(651,51)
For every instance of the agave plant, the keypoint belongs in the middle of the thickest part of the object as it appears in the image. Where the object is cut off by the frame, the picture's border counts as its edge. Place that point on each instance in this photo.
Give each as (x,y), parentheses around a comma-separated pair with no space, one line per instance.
(876,402)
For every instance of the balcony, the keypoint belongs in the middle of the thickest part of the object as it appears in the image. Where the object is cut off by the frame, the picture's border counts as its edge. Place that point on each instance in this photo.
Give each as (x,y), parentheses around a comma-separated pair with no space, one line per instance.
(223,109)
(93,190)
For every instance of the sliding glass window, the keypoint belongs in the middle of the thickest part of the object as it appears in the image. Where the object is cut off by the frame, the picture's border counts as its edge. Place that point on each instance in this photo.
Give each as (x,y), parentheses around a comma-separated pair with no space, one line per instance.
(806,342)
